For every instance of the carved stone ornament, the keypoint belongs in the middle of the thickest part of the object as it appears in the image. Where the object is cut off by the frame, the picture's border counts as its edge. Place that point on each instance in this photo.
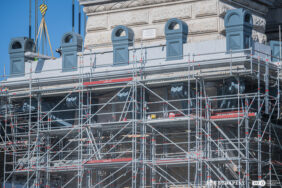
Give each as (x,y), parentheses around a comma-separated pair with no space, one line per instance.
(92,7)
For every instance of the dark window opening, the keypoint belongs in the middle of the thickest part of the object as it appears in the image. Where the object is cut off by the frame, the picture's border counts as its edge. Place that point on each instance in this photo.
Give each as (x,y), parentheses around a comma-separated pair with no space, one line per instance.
(247,18)
(173,26)
(120,33)
(68,39)
(16,45)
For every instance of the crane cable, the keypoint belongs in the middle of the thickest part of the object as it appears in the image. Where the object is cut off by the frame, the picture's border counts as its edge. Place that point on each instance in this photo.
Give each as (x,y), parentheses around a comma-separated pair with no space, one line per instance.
(43,26)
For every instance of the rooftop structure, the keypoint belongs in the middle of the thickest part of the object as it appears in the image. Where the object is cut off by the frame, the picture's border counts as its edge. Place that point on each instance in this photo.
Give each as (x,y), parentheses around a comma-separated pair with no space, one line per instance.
(164,94)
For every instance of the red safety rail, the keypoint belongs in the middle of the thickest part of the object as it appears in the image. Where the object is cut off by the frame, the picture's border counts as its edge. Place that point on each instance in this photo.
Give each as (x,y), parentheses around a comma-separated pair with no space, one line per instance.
(232,114)
(109,161)
(228,112)
(108,81)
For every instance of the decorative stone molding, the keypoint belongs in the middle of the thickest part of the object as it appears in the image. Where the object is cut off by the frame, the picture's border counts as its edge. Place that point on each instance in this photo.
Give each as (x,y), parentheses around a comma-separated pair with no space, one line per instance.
(259,23)
(92,7)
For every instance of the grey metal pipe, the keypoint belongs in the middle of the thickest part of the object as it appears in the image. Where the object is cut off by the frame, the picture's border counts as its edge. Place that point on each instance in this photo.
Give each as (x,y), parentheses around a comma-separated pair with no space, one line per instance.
(29,29)
(79,19)
(73,15)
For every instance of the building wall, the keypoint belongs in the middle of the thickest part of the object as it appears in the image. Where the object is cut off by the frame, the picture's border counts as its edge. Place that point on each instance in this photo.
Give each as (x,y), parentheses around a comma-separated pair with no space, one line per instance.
(205,18)
(274,20)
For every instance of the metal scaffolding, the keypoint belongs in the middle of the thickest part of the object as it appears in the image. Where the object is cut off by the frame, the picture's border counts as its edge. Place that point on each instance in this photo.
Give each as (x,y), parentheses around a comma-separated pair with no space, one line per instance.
(127,129)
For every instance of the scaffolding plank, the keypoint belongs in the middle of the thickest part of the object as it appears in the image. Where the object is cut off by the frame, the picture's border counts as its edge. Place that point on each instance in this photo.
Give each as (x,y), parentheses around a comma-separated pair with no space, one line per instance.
(109,161)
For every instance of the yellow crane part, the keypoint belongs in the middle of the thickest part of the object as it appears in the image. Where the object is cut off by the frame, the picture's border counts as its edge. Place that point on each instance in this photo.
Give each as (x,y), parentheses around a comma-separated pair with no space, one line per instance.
(43,9)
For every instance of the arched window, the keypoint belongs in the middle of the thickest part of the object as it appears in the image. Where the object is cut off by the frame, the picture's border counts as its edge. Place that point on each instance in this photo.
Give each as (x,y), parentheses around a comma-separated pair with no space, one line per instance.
(16,45)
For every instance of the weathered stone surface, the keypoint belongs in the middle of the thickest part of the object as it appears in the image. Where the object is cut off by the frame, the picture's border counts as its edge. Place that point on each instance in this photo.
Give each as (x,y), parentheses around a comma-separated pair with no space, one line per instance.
(164,13)
(204,25)
(200,38)
(209,8)
(98,38)
(95,23)
(128,18)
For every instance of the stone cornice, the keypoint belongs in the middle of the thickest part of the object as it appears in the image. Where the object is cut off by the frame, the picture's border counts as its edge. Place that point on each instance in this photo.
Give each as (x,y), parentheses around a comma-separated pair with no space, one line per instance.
(92,7)
(96,2)
(100,6)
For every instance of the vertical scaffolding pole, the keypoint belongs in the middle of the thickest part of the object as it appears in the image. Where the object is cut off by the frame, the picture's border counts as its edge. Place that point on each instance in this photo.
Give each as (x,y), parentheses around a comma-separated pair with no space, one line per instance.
(266,81)
(14,139)
(29,125)
(207,142)
(99,171)
(259,122)
(153,159)
(134,125)
(196,178)
(5,144)
(200,135)
(239,130)
(38,142)
(247,182)
(80,122)
(270,152)
(143,137)
(49,153)
(189,122)
(90,152)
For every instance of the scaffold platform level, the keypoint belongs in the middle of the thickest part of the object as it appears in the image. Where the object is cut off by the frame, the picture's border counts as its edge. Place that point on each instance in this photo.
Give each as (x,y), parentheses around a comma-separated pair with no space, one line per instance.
(135,126)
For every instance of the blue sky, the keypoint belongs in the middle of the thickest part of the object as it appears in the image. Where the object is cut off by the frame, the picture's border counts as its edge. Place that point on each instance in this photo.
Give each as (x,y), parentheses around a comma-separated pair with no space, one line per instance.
(14,19)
